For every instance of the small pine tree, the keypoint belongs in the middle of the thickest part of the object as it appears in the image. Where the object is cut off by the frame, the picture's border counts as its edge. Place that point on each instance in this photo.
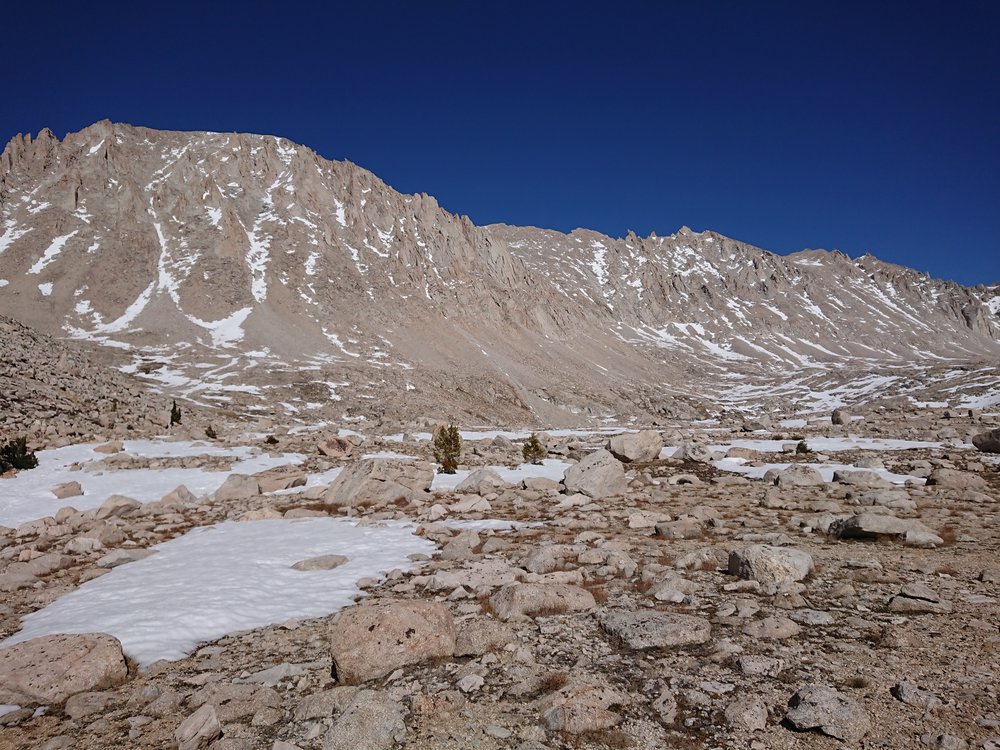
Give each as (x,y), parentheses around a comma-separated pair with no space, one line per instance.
(533,451)
(15,455)
(210,433)
(802,447)
(447,448)
(175,414)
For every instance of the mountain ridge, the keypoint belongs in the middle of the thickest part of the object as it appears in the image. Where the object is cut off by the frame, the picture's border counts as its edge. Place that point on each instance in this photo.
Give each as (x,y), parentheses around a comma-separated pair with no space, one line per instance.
(235,254)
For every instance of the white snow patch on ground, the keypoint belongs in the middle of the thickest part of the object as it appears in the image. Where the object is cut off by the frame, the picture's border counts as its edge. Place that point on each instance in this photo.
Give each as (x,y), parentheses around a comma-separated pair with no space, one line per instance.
(28,495)
(51,252)
(4,282)
(550,468)
(214,215)
(131,313)
(388,454)
(739,466)
(45,289)
(11,233)
(187,594)
(829,445)
(226,331)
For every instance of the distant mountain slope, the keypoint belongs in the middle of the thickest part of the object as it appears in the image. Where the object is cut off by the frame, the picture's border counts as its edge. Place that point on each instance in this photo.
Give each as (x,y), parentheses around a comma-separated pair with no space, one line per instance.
(247,270)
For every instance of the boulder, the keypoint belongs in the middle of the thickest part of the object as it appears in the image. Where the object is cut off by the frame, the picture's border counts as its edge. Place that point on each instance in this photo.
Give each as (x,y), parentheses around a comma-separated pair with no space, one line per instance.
(862,479)
(533,599)
(636,446)
(372,721)
(823,708)
(67,489)
(199,729)
(335,447)
(322,562)
(280,478)
(691,451)
(481,482)
(598,475)
(953,478)
(237,487)
(117,506)
(51,668)
(648,630)
(481,635)
(380,481)
(799,476)
(988,442)
(370,641)
(874,525)
(840,416)
(772,567)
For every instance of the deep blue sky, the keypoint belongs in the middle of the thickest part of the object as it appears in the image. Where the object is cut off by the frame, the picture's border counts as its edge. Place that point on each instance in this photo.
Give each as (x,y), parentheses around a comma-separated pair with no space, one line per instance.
(870,126)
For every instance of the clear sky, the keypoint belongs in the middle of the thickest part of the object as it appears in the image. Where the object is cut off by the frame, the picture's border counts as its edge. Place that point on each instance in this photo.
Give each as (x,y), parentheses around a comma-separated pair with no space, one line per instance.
(869,126)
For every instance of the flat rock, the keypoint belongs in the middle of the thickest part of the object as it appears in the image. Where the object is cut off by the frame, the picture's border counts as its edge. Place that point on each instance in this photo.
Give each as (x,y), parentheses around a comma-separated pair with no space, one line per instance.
(872,525)
(237,487)
(321,562)
(51,668)
(372,721)
(380,481)
(534,599)
(965,480)
(370,641)
(646,630)
(821,707)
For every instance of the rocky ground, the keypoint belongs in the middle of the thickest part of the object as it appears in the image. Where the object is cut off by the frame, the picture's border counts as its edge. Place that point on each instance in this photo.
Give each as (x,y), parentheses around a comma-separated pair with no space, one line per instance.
(643,602)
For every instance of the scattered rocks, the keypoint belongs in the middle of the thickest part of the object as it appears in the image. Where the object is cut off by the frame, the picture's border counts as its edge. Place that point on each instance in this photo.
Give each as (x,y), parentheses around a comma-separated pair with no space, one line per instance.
(372,721)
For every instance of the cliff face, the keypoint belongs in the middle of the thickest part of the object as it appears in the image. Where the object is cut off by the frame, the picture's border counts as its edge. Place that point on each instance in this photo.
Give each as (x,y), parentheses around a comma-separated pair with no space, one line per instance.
(249,271)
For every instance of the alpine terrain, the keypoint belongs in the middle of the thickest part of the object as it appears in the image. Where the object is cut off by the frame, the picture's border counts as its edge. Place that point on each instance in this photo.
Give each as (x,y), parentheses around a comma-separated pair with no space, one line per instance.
(292,461)
(250,272)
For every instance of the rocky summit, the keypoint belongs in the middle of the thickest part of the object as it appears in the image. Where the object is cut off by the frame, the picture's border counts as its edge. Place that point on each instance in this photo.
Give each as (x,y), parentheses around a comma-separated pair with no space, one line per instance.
(706,496)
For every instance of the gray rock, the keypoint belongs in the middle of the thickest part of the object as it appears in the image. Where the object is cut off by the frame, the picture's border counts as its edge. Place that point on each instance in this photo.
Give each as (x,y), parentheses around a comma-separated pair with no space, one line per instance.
(636,446)
(373,721)
(772,567)
(321,562)
(199,729)
(988,442)
(799,476)
(380,481)
(647,630)
(862,479)
(599,475)
(534,599)
(952,478)
(872,525)
(748,714)
(482,635)
(907,692)
(481,481)
(237,487)
(828,710)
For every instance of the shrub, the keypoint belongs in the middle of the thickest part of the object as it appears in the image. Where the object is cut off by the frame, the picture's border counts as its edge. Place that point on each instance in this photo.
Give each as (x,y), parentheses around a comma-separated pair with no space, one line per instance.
(175,414)
(271,440)
(447,448)
(533,451)
(210,433)
(802,447)
(15,455)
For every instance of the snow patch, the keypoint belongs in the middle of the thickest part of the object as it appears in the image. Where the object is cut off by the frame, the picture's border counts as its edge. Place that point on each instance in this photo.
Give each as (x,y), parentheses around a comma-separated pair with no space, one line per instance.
(45,289)
(164,606)
(51,252)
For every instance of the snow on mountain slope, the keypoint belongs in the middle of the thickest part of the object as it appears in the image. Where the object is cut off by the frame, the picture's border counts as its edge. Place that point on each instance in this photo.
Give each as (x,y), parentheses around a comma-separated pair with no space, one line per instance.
(250,272)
